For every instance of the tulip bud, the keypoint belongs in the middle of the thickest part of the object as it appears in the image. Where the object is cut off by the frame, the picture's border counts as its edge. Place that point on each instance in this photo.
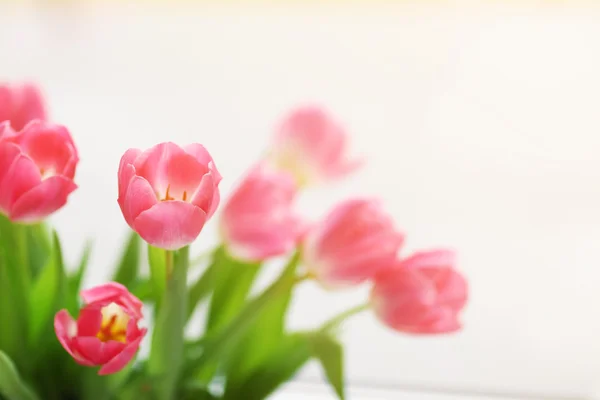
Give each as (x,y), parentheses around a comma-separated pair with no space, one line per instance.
(258,220)
(167,193)
(106,333)
(312,146)
(21,104)
(37,167)
(422,294)
(354,242)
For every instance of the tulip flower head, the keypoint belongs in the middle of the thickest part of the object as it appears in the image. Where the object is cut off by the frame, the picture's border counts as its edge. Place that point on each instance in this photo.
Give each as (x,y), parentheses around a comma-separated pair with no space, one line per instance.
(312,146)
(258,220)
(354,242)
(21,104)
(422,294)
(106,333)
(37,168)
(167,193)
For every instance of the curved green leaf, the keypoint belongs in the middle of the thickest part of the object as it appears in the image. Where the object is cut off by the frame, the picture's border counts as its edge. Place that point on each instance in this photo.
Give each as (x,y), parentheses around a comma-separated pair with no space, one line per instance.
(11,385)
(129,263)
(330,354)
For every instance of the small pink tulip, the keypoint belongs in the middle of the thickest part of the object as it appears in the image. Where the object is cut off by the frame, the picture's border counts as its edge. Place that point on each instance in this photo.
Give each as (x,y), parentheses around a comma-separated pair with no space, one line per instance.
(312,146)
(37,168)
(21,104)
(258,221)
(167,193)
(354,242)
(422,294)
(106,333)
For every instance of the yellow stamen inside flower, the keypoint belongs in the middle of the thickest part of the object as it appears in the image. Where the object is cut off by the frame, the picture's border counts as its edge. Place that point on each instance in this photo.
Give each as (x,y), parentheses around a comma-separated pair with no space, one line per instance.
(114,324)
(168,197)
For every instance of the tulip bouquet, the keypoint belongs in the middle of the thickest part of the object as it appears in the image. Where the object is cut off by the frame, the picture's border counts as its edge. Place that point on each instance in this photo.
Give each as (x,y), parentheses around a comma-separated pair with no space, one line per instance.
(59,340)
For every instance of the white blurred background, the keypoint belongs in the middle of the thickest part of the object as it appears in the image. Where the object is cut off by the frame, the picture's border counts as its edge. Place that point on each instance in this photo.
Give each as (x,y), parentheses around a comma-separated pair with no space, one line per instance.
(480,124)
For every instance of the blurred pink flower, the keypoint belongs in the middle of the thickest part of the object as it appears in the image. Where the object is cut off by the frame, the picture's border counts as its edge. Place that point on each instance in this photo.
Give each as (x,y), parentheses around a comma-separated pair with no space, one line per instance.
(312,146)
(258,220)
(354,242)
(37,168)
(422,294)
(167,193)
(21,104)
(106,333)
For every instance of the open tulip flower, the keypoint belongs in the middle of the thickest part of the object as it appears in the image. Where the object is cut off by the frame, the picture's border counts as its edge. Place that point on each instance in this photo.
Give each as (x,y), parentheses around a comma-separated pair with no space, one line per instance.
(106,333)
(258,221)
(421,294)
(354,241)
(21,104)
(312,146)
(37,168)
(166,195)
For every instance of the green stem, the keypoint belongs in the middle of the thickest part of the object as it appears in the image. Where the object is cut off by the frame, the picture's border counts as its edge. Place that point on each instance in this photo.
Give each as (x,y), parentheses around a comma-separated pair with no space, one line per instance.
(20,232)
(166,353)
(334,322)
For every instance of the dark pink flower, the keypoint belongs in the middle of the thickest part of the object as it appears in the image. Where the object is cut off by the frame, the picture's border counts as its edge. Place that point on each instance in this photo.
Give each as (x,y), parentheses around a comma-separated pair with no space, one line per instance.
(106,333)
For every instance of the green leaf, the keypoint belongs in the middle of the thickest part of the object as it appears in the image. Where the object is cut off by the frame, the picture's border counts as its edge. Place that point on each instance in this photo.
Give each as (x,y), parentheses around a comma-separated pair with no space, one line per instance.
(39,243)
(166,352)
(233,281)
(283,362)
(48,293)
(265,332)
(142,289)
(129,264)
(77,277)
(11,385)
(220,344)
(201,289)
(158,271)
(331,356)
(195,392)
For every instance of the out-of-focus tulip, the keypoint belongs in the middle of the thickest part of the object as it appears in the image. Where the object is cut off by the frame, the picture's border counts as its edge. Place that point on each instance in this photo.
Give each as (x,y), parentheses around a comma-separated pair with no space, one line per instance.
(258,220)
(37,168)
(106,333)
(422,294)
(167,193)
(312,146)
(354,242)
(21,104)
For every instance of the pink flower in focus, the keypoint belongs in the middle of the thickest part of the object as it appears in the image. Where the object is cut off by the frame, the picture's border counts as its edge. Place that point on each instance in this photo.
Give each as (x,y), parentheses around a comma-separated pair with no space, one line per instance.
(354,242)
(422,294)
(106,333)
(167,193)
(312,146)
(258,221)
(37,168)
(21,104)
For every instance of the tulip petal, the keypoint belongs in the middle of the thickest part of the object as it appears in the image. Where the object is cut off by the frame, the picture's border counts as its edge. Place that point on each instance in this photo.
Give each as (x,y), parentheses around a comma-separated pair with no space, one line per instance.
(22,176)
(123,358)
(114,292)
(66,328)
(184,175)
(152,164)
(139,198)
(96,351)
(89,320)
(8,155)
(43,199)
(170,225)
(205,194)
(126,170)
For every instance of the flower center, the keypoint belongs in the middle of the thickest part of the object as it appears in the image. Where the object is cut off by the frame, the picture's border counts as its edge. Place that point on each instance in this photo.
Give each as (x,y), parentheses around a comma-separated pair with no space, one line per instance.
(114,324)
(168,196)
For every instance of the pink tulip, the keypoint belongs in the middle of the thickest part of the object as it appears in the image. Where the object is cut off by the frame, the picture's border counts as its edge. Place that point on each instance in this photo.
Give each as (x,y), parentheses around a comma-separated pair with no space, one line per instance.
(20,104)
(422,294)
(354,242)
(106,333)
(167,193)
(258,221)
(312,146)
(37,167)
